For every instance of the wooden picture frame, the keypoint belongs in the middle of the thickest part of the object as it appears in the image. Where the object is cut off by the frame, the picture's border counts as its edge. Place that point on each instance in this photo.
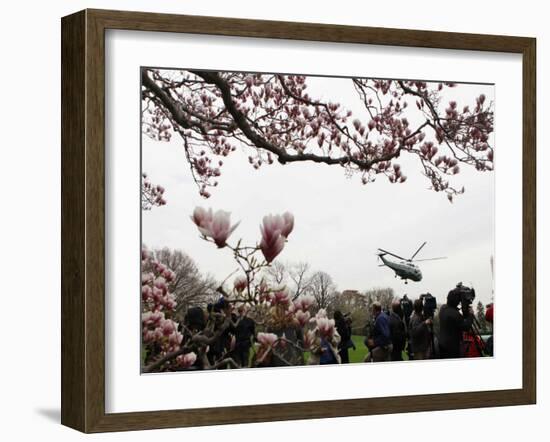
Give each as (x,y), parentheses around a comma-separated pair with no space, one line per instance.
(83,220)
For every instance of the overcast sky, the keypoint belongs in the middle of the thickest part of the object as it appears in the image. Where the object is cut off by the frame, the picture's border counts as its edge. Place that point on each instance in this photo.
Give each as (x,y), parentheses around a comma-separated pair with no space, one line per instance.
(339,223)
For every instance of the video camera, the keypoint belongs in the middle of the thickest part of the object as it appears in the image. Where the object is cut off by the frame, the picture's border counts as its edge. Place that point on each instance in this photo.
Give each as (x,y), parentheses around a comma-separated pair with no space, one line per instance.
(406,307)
(429,305)
(467,294)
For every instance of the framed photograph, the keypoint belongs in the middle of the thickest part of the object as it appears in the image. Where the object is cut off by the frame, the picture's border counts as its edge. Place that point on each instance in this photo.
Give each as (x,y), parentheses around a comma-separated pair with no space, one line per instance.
(267,221)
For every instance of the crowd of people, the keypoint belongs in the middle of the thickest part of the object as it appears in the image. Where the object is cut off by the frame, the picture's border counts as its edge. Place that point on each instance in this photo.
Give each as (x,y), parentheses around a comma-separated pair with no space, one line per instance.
(405,330)
(234,332)
(396,333)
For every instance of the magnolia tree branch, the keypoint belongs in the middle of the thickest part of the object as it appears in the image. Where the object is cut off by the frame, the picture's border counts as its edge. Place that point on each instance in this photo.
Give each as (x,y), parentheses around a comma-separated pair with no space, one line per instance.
(196,339)
(151,194)
(170,356)
(274,118)
(224,363)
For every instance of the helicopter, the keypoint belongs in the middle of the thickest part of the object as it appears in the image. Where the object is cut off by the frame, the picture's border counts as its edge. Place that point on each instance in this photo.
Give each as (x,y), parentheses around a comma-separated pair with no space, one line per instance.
(406,269)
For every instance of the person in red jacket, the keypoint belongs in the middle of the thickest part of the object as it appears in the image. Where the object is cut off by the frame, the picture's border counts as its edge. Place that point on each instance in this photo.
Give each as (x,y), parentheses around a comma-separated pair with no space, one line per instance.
(489,314)
(472,345)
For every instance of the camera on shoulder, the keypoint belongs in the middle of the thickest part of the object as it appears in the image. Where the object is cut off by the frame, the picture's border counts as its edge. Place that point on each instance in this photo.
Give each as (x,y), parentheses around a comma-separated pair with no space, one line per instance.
(467,294)
(429,305)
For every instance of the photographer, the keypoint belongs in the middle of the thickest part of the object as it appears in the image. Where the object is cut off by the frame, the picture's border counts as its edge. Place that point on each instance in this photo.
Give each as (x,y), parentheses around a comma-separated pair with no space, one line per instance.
(397,331)
(379,345)
(349,324)
(420,334)
(407,309)
(245,331)
(222,321)
(344,331)
(453,323)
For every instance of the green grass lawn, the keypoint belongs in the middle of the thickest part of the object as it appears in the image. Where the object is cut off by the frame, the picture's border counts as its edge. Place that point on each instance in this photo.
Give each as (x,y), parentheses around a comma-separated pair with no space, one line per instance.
(358,355)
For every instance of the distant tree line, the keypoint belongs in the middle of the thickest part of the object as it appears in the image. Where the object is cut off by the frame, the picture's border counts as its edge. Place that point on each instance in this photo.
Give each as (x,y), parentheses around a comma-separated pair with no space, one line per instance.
(193,288)
(190,286)
(299,279)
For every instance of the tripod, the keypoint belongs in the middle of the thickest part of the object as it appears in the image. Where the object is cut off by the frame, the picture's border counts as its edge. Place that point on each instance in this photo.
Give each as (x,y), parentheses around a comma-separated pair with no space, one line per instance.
(432,350)
(478,341)
(475,332)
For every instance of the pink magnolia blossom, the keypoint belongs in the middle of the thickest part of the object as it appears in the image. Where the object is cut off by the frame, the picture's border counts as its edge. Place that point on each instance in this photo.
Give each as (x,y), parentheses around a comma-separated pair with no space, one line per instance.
(281,297)
(147,278)
(170,302)
(151,195)
(187,360)
(322,313)
(159,267)
(270,297)
(325,326)
(309,339)
(273,240)
(160,283)
(240,283)
(168,327)
(266,339)
(157,300)
(302,317)
(146,292)
(214,225)
(262,288)
(169,275)
(304,302)
(157,334)
(288,219)
(174,339)
(157,296)
(152,319)
(148,336)
(202,217)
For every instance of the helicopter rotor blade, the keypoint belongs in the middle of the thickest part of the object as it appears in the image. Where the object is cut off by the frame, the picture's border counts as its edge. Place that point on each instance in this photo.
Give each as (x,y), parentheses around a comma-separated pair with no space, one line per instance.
(419,249)
(393,254)
(430,259)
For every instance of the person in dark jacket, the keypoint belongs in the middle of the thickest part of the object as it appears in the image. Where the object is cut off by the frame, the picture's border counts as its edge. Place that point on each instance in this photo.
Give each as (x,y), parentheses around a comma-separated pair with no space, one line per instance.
(452,325)
(193,322)
(345,336)
(349,323)
(379,343)
(245,330)
(420,335)
(223,320)
(397,331)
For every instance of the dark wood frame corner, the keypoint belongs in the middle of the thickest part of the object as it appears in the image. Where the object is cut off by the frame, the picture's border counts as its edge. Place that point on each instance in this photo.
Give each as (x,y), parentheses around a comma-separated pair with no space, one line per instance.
(83,217)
